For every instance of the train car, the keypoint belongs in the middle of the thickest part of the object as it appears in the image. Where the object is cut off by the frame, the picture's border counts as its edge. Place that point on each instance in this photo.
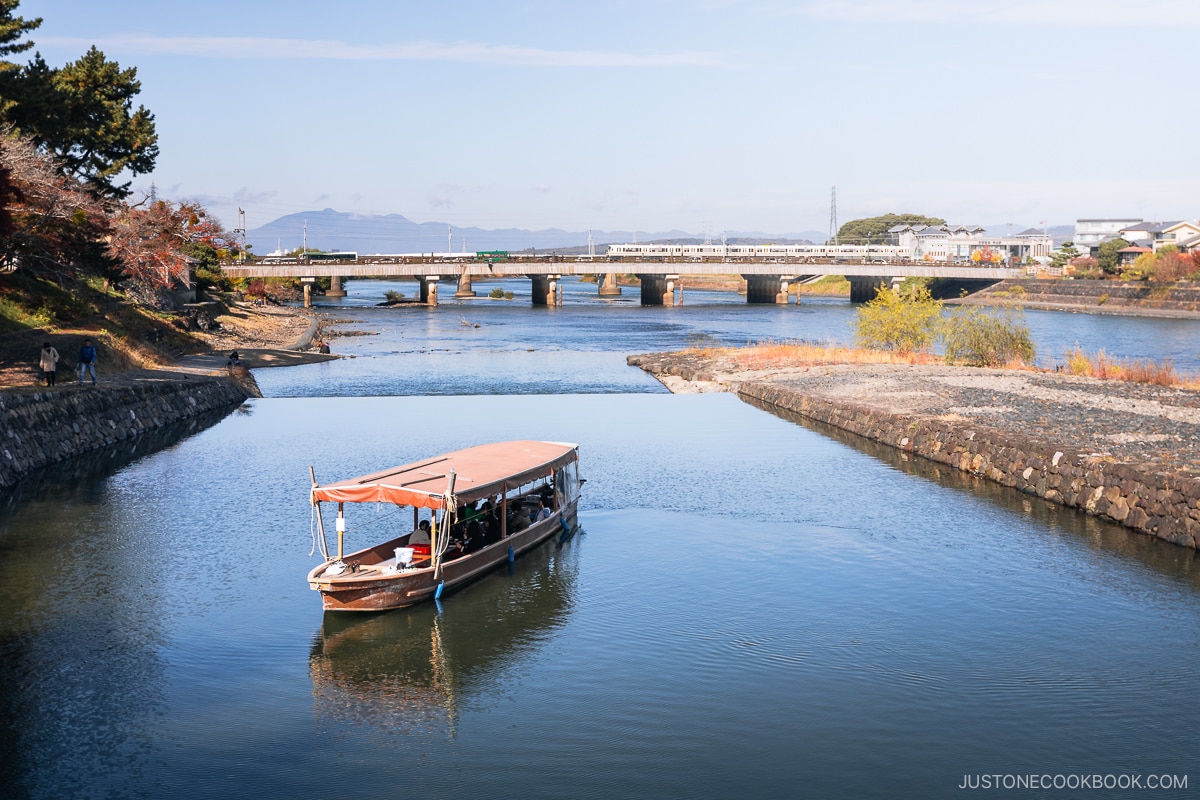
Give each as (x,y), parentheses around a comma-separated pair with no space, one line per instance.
(346,256)
(791,253)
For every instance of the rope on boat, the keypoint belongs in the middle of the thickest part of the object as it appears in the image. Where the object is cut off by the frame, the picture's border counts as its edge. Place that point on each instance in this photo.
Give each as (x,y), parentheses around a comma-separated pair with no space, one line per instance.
(450,505)
(312,530)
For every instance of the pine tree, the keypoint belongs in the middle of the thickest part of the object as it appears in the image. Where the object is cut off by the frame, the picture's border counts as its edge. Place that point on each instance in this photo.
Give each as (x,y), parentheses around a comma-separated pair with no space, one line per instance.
(12,28)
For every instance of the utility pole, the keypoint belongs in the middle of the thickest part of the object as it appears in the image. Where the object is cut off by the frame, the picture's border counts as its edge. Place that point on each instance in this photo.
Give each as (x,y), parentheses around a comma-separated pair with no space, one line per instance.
(241,228)
(304,245)
(591,244)
(833,226)
(449,239)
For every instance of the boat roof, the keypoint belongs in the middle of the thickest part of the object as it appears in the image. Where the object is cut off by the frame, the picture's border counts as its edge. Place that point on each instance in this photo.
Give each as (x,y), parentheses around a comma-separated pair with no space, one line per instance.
(480,471)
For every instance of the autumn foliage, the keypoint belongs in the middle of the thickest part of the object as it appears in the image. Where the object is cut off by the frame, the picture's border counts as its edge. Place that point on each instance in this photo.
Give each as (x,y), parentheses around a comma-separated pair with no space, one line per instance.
(70,138)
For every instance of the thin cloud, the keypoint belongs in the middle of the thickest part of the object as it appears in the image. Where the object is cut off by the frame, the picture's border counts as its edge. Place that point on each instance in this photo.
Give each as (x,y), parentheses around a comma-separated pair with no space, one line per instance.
(1056,13)
(318,49)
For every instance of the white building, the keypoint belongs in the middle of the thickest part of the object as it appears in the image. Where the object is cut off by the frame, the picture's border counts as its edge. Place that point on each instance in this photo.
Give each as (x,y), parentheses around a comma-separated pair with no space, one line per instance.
(1091,233)
(1156,235)
(960,244)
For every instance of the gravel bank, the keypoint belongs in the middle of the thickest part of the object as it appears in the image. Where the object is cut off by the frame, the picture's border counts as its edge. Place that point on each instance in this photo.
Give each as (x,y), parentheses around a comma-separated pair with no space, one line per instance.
(1155,427)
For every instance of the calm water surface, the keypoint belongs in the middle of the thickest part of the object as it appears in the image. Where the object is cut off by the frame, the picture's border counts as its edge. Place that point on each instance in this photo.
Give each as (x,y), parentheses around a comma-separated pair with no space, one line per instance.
(484,346)
(752,607)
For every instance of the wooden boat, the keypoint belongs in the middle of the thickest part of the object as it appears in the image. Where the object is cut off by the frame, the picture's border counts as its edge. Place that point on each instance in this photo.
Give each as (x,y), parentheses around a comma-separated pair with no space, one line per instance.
(485,505)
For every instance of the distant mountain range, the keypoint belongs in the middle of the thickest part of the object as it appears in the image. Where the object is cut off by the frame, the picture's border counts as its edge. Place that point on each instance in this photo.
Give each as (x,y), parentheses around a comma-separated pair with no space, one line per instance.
(330,230)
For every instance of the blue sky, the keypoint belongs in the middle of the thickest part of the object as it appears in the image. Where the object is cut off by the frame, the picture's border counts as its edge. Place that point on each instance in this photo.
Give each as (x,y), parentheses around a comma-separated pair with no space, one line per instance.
(660,114)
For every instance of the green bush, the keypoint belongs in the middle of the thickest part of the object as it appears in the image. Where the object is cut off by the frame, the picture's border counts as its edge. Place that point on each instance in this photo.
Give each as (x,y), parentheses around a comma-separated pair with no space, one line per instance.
(981,337)
(393,296)
(906,322)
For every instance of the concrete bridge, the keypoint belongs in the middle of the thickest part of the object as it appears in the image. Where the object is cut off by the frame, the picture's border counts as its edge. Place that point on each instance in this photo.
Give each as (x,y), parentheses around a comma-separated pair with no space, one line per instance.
(767,281)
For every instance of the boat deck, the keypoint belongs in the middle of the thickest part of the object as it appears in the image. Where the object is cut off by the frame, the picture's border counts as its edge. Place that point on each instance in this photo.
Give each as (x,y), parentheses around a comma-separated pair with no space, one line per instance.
(386,567)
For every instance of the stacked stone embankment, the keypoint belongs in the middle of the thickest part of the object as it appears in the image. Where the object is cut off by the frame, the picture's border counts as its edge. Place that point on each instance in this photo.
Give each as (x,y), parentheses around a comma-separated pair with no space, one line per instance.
(38,429)
(1160,504)
(1132,298)
(1129,453)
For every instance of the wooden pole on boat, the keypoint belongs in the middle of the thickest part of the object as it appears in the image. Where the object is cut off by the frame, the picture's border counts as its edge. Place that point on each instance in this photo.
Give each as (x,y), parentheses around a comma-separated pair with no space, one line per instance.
(443,535)
(320,522)
(341,529)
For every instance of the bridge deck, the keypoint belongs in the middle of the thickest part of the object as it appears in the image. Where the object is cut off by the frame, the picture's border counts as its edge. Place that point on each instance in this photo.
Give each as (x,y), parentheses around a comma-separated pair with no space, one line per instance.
(452,269)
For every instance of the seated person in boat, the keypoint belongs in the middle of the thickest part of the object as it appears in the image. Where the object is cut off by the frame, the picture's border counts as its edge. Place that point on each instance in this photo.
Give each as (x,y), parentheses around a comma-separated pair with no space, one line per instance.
(518,520)
(474,536)
(421,534)
(491,528)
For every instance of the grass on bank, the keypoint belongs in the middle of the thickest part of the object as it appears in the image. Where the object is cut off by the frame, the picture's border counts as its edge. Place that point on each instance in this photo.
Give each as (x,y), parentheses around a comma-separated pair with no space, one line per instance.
(768,355)
(1078,362)
(778,355)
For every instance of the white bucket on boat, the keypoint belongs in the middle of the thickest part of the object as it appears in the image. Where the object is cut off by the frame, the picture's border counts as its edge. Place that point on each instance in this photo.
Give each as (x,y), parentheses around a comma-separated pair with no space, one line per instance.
(404,556)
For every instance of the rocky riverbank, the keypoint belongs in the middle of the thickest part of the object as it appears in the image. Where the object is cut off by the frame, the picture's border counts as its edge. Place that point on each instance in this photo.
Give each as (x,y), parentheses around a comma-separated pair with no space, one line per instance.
(1123,451)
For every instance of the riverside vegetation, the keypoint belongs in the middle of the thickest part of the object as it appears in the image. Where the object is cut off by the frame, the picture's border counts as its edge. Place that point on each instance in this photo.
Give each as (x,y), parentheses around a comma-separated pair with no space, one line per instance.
(903,328)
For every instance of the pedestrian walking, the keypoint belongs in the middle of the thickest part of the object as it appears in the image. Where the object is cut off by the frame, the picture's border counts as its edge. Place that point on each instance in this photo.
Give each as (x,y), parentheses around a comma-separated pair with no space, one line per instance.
(87,361)
(49,363)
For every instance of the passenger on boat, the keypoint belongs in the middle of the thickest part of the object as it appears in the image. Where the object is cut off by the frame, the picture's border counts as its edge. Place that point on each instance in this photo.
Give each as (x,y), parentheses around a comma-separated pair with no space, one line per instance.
(542,512)
(491,530)
(421,534)
(475,536)
(518,521)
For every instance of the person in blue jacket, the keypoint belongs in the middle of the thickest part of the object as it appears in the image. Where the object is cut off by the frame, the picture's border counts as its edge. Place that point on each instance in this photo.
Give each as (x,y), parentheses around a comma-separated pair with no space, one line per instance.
(87,361)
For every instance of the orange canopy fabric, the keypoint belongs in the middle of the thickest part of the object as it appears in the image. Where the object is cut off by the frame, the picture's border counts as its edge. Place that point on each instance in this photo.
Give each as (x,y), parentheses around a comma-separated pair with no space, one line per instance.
(479,472)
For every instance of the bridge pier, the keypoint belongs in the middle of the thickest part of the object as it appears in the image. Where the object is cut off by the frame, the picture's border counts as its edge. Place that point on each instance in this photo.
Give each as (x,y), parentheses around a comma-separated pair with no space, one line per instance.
(863,289)
(464,286)
(608,285)
(429,289)
(799,279)
(547,290)
(658,290)
(767,288)
(335,287)
(308,295)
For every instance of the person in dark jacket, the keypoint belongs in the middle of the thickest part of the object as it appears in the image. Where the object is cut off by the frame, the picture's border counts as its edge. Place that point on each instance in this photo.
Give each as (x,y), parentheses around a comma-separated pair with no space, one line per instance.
(87,361)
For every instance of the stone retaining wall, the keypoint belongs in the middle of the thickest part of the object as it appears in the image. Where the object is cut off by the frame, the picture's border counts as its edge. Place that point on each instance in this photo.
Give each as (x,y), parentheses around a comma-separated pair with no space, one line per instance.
(1113,297)
(41,428)
(1158,504)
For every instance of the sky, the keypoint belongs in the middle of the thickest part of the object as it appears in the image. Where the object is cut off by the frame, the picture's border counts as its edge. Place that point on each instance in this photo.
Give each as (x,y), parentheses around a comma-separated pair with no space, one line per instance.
(696,115)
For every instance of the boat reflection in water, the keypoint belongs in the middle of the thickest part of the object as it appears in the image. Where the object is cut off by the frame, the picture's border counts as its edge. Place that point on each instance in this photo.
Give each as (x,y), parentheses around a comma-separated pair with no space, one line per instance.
(409,671)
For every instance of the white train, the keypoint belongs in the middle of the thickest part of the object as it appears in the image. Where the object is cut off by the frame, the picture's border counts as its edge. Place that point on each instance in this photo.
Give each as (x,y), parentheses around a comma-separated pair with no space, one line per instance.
(782,253)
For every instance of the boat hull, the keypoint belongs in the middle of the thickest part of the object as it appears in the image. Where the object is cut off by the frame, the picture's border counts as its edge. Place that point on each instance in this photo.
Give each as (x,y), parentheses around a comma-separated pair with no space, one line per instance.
(383,591)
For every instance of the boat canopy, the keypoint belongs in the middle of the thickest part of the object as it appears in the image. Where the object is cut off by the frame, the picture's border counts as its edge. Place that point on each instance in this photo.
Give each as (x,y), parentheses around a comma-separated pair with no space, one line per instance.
(480,472)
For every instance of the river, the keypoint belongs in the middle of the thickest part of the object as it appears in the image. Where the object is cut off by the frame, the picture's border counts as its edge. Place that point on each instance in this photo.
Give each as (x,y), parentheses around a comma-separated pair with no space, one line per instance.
(752,607)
